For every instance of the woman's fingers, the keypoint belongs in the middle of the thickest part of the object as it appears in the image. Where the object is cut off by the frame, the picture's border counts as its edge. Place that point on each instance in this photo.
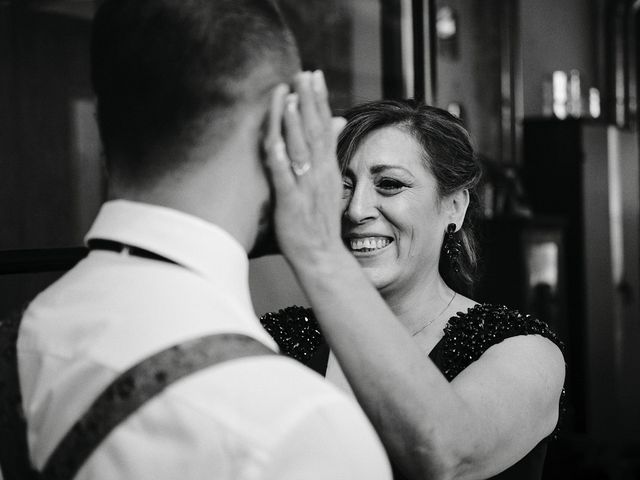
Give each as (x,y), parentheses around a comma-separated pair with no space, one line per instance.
(321,96)
(309,130)
(337,125)
(303,169)
(295,137)
(274,127)
(314,127)
(277,160)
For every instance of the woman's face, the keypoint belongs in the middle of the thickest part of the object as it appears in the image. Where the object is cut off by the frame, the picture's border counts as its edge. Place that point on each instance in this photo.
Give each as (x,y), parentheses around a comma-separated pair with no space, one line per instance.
(393,221)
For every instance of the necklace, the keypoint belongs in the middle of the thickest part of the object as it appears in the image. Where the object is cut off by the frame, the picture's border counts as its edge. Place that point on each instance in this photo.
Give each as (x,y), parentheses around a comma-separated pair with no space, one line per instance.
(436,317)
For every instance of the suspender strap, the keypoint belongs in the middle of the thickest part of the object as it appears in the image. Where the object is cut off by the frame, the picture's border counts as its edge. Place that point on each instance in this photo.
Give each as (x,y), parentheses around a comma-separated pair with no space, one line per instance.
(138,385)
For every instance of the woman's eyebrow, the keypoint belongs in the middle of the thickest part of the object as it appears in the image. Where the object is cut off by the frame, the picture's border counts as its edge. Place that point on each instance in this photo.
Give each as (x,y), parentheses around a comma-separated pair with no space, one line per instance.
(384,167)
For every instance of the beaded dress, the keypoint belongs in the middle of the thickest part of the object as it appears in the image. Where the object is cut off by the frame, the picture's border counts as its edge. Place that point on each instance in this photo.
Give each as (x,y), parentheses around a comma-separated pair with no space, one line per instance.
(466,337)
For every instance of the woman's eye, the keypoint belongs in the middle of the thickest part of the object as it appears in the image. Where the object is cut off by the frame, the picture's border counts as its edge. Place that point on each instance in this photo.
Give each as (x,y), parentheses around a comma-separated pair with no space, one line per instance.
(346,187)
(390,185)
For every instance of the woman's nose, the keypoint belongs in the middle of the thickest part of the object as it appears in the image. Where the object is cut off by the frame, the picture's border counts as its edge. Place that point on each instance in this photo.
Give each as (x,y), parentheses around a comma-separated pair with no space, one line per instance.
(362,205)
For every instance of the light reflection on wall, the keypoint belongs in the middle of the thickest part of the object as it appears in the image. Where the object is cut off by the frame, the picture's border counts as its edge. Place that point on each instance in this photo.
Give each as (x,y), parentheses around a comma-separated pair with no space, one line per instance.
(542,260)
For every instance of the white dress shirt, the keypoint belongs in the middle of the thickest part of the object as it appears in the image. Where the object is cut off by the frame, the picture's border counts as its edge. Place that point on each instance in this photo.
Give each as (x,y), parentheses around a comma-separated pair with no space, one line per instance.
(252,418)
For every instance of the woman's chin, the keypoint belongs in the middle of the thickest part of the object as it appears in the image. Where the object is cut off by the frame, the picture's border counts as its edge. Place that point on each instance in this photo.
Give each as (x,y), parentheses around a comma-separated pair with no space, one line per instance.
(379,277)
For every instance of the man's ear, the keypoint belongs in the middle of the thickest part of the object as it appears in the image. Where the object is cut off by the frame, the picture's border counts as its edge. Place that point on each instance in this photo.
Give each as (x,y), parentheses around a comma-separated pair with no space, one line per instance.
(457,204)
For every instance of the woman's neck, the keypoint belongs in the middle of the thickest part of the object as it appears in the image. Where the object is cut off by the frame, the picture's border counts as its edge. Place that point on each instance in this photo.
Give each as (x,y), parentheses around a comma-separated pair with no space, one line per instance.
(420,303)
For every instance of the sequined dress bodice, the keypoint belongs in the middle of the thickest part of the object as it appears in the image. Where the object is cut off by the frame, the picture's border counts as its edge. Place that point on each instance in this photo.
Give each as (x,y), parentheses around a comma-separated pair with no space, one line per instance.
(466,337)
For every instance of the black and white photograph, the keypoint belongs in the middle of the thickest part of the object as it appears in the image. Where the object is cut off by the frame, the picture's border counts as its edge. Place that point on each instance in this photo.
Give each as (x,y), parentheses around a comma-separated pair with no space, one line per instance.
(319,240)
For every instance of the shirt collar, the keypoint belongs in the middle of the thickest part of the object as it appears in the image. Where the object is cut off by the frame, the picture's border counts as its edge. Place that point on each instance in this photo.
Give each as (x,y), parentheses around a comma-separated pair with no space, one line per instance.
(189,241)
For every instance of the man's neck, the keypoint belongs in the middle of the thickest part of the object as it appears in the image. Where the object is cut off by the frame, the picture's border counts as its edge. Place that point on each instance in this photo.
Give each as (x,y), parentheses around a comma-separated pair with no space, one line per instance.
(216,192)
(225,184)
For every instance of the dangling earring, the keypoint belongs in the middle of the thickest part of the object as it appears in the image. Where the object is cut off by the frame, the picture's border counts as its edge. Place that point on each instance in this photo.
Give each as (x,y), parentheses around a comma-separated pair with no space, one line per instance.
(452,247)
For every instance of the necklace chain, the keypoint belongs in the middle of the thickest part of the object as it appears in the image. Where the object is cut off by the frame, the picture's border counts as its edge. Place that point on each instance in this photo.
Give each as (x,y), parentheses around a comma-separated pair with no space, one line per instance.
(436,317)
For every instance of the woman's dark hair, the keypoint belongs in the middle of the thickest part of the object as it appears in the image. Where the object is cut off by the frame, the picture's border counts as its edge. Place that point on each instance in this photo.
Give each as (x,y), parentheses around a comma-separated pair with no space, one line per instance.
(448,155)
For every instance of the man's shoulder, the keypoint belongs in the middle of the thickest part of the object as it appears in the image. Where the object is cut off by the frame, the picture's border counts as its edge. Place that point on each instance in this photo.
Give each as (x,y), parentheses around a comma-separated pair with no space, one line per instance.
(254,410)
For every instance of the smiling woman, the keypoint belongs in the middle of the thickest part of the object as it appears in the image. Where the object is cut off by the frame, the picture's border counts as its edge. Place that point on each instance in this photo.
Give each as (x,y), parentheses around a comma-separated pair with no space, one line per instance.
(387,188)
(454,388)
(419,164)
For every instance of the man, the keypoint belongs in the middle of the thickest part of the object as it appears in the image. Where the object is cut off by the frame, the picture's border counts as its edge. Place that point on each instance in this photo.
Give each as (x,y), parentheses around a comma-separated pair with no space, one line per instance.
(184,89)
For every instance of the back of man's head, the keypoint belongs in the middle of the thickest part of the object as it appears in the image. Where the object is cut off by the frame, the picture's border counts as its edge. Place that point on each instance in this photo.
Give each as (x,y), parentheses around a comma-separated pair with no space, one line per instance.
(172,74)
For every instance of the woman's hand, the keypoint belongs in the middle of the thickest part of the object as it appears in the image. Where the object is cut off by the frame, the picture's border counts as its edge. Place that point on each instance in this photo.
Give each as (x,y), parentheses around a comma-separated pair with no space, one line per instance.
(304,171)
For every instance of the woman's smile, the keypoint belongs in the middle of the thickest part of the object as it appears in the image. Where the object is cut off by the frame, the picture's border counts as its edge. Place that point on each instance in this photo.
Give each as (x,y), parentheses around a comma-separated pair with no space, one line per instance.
(366,246)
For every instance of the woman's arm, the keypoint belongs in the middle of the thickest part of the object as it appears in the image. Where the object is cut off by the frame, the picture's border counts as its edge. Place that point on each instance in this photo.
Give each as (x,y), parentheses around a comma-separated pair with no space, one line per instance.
(485,420)
(488,417)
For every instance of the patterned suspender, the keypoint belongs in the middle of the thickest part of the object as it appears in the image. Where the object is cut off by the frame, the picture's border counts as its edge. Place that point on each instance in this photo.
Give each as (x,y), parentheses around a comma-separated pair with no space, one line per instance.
(120,399)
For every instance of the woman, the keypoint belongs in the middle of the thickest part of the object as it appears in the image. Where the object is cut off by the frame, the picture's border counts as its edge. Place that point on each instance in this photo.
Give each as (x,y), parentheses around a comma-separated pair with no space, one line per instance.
(455,389)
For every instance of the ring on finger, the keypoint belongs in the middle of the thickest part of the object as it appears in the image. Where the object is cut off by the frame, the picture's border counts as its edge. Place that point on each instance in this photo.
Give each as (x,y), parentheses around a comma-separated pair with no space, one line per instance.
(300,168)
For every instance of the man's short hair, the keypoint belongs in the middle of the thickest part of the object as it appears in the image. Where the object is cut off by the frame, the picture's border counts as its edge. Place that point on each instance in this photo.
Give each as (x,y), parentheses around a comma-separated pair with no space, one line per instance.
(168,72)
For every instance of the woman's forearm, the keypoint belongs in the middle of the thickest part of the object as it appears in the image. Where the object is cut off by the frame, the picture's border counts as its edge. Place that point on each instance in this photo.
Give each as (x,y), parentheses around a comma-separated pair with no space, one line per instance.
(412,406)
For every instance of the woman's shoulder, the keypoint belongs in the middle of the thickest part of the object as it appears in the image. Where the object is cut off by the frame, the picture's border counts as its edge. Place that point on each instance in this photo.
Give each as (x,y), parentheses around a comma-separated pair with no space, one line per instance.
(469,334)
(295,330)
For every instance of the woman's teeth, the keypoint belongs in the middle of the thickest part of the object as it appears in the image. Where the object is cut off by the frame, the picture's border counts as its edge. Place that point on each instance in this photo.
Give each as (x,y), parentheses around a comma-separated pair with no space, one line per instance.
(369,244)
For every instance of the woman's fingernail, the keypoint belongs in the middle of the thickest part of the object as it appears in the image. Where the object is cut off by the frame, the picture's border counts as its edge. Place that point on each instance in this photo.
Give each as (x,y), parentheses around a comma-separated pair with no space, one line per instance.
(283,89)
(308,79)
(292,102)
(319,84)
(338,123)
